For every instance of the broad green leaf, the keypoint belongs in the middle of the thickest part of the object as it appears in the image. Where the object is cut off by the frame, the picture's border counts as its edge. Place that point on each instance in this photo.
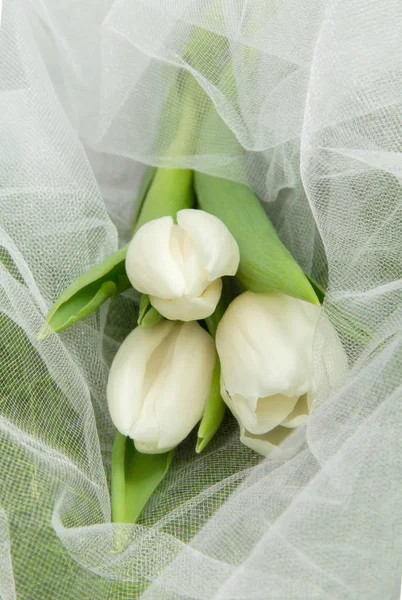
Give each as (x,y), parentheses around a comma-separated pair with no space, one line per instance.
(171,190)
(135,476)
(265,264)
(213,413)
(162,193)
(87,293)
(144,472)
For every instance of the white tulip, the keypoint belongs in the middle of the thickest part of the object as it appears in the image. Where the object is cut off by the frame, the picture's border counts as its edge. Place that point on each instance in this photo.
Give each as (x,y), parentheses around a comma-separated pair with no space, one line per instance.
(264,344)
(180,266)
(159,384)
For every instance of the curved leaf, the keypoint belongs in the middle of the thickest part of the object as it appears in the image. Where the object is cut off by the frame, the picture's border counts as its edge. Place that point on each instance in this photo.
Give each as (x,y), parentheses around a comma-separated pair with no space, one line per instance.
(87,293)
(135,476)
(265,264)
(163,192)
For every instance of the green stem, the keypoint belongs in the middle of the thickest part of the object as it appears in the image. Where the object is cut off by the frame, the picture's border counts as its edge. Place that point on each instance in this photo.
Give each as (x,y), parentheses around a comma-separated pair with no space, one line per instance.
(142,194)
(227,295)
(182,144)
(118,485)
(215,408)
(213,413)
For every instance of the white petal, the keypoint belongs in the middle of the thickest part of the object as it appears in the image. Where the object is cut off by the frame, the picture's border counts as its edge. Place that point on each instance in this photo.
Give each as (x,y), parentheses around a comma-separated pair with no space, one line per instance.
(217,248)
(185,252)
(269,413)
(192,365)
(125,389)
(265,345)
(150,448)
(299,415)
(189,308)
(263,443)
(266,443)
(151,263)
(177,397)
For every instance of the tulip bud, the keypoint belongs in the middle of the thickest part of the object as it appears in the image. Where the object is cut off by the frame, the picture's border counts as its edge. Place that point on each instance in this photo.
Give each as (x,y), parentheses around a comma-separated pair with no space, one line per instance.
(264,342)
(180,266)
(159,384)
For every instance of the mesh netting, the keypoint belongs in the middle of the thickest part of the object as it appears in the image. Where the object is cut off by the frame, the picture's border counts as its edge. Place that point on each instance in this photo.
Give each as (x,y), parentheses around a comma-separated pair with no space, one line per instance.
(303,101)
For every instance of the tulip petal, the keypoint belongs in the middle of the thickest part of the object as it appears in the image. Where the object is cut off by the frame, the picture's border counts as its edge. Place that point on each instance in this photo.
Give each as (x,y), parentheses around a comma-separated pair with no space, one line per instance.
(269,413)
(150,264)
(125,392)
(263,443)
(192,367)
(264,344)
(179,391)
(217,248)
(300,413)
(189,308)
(266,443)
(188,258)
(151,447)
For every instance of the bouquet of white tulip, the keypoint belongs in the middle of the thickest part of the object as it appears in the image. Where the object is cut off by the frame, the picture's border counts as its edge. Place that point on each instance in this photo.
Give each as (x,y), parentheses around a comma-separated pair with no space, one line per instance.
(198,242)
(190,232)
(300,102)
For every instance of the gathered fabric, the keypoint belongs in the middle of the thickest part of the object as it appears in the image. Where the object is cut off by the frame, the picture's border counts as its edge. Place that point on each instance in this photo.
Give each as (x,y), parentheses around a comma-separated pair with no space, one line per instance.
(301,101)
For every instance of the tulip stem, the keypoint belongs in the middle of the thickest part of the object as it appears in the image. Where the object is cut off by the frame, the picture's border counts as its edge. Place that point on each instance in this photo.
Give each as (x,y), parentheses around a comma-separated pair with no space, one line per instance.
(212,321)
(213,413)
(118,485)
(146,183)
(215,408)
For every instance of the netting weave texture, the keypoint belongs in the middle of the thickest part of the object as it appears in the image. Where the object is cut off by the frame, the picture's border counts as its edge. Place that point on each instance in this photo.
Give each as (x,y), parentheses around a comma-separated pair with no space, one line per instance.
(302,100)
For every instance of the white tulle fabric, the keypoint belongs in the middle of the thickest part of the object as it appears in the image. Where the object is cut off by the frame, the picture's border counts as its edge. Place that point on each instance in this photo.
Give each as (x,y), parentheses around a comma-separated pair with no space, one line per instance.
(304,103)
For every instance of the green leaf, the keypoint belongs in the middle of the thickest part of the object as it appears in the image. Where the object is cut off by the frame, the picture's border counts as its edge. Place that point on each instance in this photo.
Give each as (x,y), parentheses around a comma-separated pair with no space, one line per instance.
(87,293)
(265,264)
(135,476)
(213,413)
(166,191)
(171,190)
(145,185)
(148,315)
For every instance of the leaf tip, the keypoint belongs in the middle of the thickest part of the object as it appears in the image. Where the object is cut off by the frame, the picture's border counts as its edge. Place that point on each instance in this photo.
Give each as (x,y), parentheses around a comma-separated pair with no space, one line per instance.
(45,332)
(201,443)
